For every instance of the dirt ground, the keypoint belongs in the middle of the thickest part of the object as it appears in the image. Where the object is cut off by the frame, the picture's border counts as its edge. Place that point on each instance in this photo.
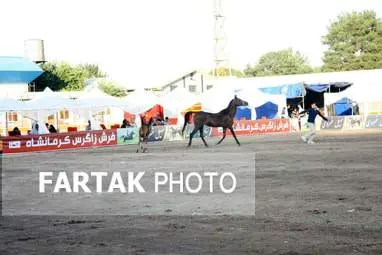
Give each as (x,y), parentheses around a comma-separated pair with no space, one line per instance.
(323,198)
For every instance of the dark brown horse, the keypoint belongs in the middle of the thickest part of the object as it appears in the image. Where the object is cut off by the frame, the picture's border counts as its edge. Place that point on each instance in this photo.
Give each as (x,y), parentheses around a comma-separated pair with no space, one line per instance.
(223,119)
(144,132)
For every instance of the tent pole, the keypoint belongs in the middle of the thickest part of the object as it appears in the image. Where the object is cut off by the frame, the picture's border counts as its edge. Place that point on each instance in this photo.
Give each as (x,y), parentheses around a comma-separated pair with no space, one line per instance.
(201,82)
(6,124)
(303,103)
(58,130)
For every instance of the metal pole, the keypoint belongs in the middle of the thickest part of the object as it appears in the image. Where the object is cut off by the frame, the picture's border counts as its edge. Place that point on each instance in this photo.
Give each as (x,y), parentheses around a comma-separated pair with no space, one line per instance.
(58,130)
(201,80)
(303,103)
(6,124)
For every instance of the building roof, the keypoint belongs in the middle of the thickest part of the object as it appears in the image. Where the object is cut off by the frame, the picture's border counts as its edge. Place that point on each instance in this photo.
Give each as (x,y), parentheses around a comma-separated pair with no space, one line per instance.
(18,70)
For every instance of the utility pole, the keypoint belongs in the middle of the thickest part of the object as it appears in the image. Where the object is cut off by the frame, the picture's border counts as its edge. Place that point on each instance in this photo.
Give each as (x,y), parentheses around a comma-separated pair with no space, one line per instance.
(221,59)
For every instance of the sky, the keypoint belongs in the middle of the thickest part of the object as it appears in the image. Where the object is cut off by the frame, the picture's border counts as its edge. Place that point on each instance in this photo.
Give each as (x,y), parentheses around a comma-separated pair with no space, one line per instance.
(150,42)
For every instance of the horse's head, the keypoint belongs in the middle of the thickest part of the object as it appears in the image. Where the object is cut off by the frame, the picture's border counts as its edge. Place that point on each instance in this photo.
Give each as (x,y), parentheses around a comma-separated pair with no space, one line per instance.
(238,102)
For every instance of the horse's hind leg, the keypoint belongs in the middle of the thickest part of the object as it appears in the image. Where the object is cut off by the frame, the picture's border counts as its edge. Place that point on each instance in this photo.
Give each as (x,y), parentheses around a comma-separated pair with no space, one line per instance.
(201,136)
(233,133)
(191,135)
(145,149)
(224,134)
(139,148)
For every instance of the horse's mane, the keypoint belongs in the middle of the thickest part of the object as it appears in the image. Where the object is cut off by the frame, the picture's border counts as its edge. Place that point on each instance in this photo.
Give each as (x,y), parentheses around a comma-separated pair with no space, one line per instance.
(227,109)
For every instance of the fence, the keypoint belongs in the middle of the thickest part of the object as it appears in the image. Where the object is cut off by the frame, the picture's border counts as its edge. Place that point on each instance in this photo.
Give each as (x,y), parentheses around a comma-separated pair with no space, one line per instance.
(128,136)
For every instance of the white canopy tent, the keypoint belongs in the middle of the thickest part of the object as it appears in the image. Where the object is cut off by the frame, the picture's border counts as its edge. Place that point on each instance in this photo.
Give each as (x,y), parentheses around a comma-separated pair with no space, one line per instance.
(139,101)
(178,100)
(361,92)
(96,98)
(367,94)
(9,104)
(49,100)
(218,98)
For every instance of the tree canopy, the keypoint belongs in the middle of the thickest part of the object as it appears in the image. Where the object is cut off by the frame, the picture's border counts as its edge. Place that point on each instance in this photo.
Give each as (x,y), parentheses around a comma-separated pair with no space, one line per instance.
(354,42)
(112,89)
(223,71)
(281,62)
(63,76)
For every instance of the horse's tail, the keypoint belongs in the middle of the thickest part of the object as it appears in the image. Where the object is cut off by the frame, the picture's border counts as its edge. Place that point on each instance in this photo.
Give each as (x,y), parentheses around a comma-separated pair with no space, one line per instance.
(186,120)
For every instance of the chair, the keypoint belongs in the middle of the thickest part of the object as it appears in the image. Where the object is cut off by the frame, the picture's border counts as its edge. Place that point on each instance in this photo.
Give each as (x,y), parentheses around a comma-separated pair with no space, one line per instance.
(103,126)
(72,129)
(115,126)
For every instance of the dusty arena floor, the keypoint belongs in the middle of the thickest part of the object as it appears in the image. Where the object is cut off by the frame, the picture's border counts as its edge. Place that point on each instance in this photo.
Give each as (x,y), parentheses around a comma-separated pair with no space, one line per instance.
(310,199)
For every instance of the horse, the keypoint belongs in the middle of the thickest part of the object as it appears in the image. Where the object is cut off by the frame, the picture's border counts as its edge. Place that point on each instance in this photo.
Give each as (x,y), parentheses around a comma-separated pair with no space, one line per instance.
(223,119)
(144,132)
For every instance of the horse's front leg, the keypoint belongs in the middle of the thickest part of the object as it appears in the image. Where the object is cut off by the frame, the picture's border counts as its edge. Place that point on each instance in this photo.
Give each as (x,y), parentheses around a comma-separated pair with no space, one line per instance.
(224,134)
(139,144)
(233,133)
(146,149)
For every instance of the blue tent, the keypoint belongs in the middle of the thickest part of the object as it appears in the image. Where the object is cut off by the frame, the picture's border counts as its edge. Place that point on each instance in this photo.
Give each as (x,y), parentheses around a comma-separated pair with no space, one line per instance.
(343,107)
(298,89)
(322,87)
(290,90)
(16,70)
(243,112)
(268,110)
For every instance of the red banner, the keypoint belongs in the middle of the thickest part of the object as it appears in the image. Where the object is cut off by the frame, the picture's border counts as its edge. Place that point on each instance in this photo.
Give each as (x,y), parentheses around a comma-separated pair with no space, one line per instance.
(252,127)
(59,141)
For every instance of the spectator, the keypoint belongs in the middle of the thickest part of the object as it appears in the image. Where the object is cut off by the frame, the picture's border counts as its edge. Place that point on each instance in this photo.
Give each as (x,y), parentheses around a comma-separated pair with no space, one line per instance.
(125,124)
(35,128)
(284,113)
(295,119)
(89,126)
(16,132)
(52,129)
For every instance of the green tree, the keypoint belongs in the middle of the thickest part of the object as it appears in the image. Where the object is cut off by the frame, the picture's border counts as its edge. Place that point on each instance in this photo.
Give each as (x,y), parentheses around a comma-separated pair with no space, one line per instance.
(63,76)
(317,69)
(73,77)
(354,42)
(281,62)
(111,88)
(92,71)
(49,78)
(223,71)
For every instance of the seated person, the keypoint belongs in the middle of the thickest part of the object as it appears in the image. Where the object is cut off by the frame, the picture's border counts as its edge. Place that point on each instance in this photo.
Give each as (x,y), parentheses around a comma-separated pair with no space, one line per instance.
(125,124)
(16,132)
(52,129)
(35,129)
